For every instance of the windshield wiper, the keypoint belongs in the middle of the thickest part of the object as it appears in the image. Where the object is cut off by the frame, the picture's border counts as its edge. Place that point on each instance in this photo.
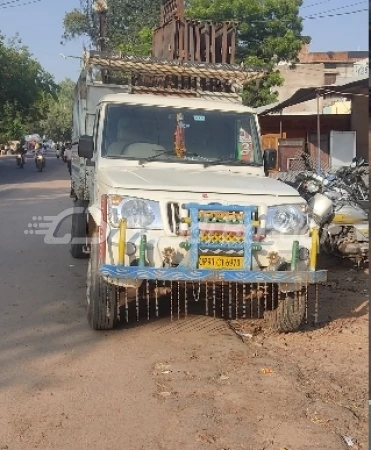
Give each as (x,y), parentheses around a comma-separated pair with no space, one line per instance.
(167,152)
(232,161)
(160,153)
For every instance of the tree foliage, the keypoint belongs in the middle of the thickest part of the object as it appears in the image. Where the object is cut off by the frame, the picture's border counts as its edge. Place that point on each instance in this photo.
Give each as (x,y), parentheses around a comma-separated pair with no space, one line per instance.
(25,90)
(130,24)
(58,123)
(269,32)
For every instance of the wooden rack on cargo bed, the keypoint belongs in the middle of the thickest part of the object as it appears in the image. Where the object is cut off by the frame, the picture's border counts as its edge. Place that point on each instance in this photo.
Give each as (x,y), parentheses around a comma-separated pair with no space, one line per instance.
(152,75)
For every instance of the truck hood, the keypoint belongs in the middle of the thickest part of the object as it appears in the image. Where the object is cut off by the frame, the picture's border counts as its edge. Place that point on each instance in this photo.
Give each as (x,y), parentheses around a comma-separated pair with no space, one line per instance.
(173,180)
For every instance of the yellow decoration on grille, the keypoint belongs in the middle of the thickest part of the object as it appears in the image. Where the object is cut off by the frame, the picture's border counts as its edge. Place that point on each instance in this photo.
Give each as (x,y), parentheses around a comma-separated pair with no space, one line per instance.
(221,238)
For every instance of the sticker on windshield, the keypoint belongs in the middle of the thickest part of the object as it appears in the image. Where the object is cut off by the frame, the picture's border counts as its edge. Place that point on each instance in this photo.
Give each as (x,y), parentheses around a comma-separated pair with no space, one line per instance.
(199,118)
(244,151)
(244,136)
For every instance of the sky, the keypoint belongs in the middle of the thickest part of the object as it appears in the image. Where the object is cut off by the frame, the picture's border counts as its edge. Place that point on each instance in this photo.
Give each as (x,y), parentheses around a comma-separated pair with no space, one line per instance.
(40,25)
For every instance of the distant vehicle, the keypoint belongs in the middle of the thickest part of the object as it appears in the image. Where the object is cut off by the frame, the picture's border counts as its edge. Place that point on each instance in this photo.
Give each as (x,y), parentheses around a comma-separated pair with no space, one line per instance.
(20,160)
(40,161)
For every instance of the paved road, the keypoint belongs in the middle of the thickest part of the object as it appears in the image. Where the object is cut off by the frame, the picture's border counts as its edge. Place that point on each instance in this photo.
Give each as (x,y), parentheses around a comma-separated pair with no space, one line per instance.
(11,174)
(160,386)
(62,385)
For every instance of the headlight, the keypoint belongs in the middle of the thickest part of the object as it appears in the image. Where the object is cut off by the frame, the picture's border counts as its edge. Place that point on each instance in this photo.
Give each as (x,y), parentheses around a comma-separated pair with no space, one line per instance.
(312,187)
(287,219)
(139,213)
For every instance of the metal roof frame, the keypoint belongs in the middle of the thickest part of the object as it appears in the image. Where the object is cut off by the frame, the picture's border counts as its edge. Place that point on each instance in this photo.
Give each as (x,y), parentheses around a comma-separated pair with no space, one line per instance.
(162,67)
(310,93)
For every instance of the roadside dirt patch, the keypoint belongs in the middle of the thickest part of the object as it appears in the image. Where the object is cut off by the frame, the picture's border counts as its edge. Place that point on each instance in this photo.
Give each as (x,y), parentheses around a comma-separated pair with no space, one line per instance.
(299,391)
(194,384)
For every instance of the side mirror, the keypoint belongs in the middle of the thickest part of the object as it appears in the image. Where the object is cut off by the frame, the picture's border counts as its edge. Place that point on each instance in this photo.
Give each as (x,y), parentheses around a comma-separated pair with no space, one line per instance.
(357,162)
(270,159)
(86,147)
(360,161)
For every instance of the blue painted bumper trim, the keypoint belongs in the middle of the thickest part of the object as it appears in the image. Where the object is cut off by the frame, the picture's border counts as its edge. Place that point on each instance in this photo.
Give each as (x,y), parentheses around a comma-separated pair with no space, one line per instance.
(238,276)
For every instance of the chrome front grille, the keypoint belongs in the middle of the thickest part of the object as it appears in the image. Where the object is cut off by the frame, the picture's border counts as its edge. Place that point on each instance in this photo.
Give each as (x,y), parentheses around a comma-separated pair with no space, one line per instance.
(176,216)
(173,216)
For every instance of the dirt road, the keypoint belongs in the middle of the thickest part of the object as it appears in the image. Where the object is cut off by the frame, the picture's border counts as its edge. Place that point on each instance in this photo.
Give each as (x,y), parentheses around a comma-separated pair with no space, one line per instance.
(189,385)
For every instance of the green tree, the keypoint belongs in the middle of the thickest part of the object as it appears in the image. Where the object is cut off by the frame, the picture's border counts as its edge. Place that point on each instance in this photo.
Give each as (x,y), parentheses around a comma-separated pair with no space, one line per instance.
(268,32)
(58,123)
(25,90)
(130,24)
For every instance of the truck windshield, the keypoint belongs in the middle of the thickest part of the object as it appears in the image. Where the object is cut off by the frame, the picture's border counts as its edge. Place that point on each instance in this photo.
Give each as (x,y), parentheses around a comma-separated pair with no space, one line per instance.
(180,135)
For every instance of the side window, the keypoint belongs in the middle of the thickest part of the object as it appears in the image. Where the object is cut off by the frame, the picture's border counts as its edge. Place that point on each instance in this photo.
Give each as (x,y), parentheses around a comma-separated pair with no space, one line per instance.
(95,131)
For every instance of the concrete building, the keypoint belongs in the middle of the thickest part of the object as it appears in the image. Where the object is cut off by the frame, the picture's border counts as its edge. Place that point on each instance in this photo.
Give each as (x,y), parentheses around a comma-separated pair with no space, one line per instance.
(338,66)
(338,107)
(300,76)
(321,68)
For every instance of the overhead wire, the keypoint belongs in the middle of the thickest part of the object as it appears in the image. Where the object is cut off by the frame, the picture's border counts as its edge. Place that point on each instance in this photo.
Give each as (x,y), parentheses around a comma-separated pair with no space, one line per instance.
(338,8)
(333,15)
(319,15)
(9,2)
(15,3)
(316,4)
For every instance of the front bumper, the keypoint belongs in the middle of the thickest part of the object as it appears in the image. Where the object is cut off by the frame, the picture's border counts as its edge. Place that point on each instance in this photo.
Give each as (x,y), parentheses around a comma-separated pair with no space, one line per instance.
(112,273)
(142,269)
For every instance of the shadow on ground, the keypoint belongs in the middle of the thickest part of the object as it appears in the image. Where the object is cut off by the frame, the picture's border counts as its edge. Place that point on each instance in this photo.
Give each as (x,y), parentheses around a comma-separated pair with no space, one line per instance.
(42,289)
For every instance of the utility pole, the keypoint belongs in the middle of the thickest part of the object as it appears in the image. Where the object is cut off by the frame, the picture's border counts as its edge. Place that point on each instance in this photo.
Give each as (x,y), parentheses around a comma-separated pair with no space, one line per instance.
(101,9)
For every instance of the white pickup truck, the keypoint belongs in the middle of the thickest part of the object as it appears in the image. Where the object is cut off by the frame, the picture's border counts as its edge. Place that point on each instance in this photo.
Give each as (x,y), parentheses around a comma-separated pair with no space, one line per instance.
(174,191)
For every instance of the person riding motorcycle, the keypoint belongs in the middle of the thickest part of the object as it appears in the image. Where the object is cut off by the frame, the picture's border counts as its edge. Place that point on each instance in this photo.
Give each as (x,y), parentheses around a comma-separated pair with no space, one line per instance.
(38,150)
(40,160)
(21,150)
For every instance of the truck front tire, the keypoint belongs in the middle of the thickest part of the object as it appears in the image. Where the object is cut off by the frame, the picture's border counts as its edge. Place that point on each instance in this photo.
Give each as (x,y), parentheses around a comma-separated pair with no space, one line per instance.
(290,312)
(79,230)
(101,296)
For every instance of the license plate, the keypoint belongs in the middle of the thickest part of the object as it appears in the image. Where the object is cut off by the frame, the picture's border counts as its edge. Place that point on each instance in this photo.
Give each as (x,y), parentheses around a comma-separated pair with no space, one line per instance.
(220,262)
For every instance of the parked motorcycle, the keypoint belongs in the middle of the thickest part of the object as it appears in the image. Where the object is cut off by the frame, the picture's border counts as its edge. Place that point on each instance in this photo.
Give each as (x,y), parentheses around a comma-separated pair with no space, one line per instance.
(40,161)
(352,176)
(342,219)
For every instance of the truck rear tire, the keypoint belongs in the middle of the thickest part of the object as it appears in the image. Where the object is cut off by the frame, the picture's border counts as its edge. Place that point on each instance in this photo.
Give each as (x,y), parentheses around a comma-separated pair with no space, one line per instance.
(79,230)
(101,296)
(289,314)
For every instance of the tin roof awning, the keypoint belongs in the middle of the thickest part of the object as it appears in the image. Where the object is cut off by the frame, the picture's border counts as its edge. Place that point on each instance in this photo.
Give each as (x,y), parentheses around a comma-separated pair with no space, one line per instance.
(352,86)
